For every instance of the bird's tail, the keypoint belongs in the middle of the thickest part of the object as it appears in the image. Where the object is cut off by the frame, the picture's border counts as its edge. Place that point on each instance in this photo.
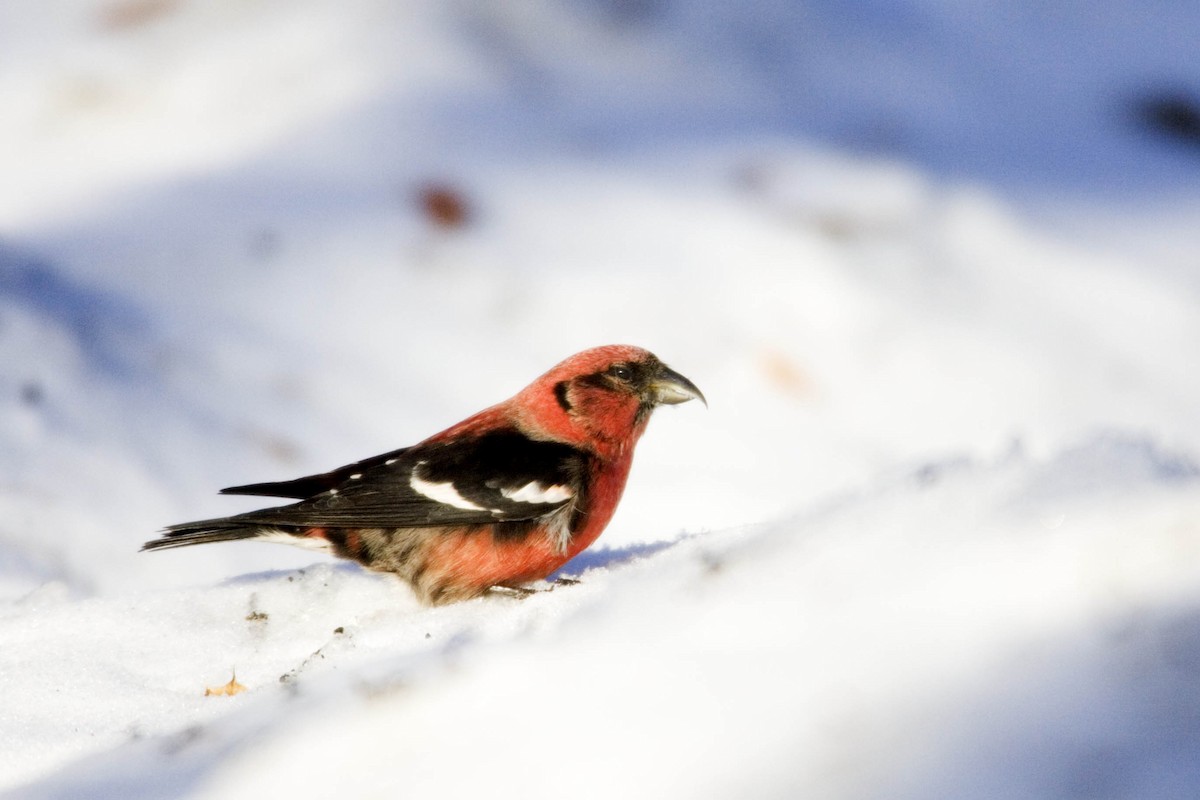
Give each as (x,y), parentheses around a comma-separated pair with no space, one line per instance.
(224,529)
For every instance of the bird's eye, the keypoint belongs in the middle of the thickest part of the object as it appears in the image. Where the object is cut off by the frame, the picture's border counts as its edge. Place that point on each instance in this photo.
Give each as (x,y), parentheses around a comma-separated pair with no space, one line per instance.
(621,373)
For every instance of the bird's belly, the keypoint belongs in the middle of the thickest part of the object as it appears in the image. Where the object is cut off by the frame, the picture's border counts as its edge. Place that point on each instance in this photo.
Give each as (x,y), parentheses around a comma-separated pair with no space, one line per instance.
(478,559)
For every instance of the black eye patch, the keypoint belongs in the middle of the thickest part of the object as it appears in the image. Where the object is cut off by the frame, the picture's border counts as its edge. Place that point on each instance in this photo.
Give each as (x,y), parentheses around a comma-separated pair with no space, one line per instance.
(621,372)
(623,376)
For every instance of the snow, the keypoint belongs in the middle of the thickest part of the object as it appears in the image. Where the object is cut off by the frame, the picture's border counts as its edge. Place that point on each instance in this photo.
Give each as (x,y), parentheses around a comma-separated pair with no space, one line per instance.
(938,534)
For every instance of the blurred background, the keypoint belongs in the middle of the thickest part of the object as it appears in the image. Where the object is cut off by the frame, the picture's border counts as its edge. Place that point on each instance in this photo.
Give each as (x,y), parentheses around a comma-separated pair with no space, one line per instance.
(246,240)
(243,240)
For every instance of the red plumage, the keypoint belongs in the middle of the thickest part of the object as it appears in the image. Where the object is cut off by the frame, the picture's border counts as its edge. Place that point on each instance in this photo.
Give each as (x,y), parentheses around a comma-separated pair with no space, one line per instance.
(504,497)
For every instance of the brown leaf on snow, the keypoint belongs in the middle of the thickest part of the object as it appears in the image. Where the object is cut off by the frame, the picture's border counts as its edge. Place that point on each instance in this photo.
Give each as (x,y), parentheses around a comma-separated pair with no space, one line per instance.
(135,13)
(228,690)
(444,205)
(786,375)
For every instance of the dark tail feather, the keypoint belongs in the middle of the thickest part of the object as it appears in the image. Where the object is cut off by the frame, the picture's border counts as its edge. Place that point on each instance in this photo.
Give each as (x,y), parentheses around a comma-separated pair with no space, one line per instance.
(225,529)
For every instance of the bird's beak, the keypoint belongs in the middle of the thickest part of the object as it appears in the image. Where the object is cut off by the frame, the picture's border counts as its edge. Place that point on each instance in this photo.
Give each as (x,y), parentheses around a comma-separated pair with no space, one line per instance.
(668,387)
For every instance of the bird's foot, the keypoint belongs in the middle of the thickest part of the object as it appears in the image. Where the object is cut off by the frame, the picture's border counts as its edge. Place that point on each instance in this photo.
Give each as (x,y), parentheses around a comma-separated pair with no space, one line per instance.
(520,592)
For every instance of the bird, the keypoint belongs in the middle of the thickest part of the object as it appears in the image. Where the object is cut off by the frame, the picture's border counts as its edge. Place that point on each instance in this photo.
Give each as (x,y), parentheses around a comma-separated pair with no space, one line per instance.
(496,502)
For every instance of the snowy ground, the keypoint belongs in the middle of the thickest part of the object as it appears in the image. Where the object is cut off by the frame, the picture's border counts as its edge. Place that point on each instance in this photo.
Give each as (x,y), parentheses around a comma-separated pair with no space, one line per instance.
(935,270)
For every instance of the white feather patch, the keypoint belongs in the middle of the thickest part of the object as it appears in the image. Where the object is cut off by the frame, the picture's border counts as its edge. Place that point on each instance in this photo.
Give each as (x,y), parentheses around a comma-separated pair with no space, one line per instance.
(275,536)
(534,492)
(558,526)
(441,492)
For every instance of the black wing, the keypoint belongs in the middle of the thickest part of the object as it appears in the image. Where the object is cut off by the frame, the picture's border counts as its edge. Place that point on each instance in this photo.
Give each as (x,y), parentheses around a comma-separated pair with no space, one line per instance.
(495,477)
(312,485)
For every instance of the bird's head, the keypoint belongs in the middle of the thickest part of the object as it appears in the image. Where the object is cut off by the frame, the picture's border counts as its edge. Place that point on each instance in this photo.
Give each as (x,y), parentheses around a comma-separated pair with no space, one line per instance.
(603,396)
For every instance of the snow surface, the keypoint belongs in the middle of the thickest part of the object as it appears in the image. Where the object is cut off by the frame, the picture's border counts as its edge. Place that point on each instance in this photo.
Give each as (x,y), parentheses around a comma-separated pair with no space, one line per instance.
(937,536)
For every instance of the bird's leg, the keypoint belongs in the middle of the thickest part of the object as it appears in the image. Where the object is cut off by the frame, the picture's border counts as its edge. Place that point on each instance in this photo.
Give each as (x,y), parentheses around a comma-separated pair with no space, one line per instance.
(521,592)
(513,590)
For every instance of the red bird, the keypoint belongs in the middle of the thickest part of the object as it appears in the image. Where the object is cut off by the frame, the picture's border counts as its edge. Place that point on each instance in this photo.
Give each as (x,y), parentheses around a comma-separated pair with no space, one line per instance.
(500,499)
